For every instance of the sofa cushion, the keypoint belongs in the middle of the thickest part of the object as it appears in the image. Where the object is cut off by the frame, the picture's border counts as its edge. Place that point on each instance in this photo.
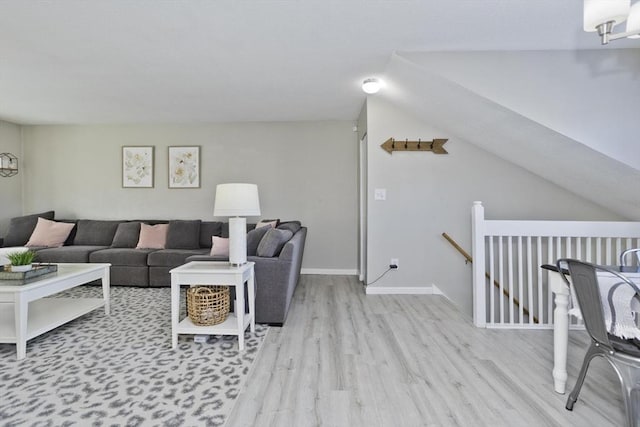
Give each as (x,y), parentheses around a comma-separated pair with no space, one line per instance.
(272,242)
(48,233)
(127,235)
(172,257)
(152,236)
(253,239)
(67,254)
(96,233)
(122,256)
(208,229)
(292,226)
(21,228)
(219,246)
(184,234)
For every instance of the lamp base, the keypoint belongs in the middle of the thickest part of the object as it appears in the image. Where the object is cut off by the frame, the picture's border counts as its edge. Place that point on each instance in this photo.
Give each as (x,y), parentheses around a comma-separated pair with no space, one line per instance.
(237,241)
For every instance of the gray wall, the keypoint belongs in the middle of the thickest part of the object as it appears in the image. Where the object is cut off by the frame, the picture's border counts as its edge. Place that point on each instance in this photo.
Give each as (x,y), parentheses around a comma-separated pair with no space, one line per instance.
(430,194)
(11,187)
(305,171)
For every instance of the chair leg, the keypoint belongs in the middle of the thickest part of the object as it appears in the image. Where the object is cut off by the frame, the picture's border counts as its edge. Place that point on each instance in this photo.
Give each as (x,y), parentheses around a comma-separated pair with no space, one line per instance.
(592,352)
(630,381)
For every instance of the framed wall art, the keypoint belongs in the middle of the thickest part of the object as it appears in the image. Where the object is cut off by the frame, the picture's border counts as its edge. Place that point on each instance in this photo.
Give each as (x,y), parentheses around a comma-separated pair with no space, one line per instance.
(137,166)
(184,167)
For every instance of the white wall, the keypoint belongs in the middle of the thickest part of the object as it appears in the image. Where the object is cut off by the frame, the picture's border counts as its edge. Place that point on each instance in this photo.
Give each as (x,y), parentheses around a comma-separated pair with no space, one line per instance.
(10,187)
(430,194)
(304,170)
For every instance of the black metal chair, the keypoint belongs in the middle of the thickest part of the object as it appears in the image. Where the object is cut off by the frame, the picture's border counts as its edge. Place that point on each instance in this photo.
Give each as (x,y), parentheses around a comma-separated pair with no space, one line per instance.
(623,256)
(623,354)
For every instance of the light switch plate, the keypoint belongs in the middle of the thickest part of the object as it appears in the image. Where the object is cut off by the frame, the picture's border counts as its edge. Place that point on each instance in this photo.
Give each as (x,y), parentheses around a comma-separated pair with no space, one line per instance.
(380,194)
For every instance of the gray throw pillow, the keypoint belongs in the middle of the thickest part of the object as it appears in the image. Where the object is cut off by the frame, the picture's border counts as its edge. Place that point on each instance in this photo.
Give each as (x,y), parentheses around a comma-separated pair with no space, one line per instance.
(292,226)
(184,234)
(273,242)
(254,237)
(21,228)
(127,235)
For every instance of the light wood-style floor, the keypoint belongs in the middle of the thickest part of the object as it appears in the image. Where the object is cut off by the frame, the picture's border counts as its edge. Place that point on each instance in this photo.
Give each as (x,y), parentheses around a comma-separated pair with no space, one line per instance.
(348,359)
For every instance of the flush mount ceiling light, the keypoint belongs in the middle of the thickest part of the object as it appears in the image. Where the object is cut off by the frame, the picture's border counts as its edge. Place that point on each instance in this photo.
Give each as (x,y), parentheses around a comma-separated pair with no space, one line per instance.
(371,86)
(603,15)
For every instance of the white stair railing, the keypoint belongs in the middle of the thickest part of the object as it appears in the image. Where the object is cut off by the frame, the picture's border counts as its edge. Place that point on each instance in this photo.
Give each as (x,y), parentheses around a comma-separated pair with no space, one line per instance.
(511,253)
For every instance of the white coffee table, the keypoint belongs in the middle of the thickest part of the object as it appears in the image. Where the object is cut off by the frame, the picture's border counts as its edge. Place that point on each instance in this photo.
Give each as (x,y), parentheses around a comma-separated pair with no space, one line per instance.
(26,314)
(214,273)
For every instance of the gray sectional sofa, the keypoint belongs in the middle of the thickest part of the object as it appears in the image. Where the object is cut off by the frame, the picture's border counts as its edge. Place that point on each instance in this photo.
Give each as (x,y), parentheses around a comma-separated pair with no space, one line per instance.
(115,242)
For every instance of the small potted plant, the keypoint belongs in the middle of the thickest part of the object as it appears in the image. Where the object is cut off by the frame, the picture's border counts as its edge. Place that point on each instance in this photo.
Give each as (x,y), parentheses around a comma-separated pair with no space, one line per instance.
(21,261)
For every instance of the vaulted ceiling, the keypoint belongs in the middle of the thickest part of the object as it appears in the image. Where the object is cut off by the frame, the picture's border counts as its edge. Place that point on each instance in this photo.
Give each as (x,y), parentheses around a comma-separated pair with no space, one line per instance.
(123,61)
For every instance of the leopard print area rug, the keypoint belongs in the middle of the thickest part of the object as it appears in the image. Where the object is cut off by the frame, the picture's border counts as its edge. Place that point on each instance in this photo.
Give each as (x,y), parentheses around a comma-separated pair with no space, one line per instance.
(120,370)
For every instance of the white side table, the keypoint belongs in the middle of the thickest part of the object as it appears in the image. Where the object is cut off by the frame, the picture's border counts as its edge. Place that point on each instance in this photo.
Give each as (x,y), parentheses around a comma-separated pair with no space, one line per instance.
(214,273)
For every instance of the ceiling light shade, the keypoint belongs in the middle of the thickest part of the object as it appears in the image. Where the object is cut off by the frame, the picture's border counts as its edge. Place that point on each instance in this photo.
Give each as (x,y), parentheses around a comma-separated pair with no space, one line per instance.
(633,21)
(371,86)
(598,12)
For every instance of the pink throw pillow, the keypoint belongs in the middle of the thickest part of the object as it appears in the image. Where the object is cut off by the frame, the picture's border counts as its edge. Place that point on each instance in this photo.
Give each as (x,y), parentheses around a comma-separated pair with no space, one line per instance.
(219,246)
(273,223)
(49,233)
(153,236)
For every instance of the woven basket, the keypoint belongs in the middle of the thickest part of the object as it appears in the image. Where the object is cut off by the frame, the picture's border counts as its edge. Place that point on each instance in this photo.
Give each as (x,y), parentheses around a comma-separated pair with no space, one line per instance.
(208,305)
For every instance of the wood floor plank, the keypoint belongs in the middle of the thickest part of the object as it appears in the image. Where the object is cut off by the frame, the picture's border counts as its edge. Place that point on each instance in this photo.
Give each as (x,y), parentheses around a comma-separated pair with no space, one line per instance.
(345,358)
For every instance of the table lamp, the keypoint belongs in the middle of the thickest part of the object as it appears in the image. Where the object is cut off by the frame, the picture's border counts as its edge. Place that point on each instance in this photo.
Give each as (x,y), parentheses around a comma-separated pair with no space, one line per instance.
(233,200)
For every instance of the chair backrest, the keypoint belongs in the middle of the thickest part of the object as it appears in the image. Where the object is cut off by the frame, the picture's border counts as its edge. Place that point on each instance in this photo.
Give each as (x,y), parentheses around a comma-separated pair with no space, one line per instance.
(585,285)
(624,257)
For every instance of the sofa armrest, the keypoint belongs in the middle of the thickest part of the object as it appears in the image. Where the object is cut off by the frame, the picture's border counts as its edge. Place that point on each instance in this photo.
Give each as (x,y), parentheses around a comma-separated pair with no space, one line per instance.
(294,248)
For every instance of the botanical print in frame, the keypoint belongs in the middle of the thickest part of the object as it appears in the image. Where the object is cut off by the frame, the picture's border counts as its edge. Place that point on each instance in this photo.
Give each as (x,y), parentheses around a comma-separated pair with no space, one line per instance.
(184,167)
(137,167)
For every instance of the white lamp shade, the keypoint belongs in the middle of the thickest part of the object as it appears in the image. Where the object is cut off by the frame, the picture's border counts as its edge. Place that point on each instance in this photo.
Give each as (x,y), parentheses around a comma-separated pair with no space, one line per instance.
(633,21)
(598,12)
(236,200)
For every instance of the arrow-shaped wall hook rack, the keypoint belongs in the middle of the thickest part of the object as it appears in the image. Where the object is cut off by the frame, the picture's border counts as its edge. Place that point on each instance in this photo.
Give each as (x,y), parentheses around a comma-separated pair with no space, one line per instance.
(435,145)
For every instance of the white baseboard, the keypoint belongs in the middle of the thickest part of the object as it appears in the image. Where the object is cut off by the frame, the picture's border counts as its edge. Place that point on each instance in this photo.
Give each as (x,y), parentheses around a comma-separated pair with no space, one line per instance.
(329,271)
(403,290)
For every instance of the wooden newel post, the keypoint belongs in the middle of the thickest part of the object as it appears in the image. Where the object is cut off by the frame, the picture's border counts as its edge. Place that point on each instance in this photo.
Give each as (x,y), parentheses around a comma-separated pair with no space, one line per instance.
(478,267)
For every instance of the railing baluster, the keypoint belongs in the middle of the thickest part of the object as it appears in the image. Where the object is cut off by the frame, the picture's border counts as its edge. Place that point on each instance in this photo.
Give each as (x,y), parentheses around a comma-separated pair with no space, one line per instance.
(492,304)
(541,316)
(618,251)
(501,274)
(578,247)
(529,282)
(510,277)
(520,282)
(550,260)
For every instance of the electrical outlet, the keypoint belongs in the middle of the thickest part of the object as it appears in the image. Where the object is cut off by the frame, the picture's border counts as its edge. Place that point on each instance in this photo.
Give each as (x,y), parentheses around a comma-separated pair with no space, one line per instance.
(395,261)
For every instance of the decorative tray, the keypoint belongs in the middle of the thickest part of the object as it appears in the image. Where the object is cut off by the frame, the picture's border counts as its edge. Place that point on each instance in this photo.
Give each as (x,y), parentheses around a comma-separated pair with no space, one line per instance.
(37,270)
